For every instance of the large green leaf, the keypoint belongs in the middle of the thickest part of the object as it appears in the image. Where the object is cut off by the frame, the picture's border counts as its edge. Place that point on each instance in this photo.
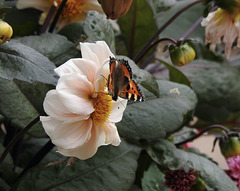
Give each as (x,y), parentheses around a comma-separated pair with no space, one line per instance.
(74,32)
(4,186)
(56,47)
(217,88)
(97,27)
(21,103)
(137,26)
(112,168)
(158,117)
(175,75)
(24,22)
(30,148)
(6,171)
(183,22)
(21,62)
(153,179)
(168,156)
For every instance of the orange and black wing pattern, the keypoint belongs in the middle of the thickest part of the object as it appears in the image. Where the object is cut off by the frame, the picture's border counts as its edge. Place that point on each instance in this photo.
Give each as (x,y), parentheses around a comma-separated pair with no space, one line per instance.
(120,81)
(133,92)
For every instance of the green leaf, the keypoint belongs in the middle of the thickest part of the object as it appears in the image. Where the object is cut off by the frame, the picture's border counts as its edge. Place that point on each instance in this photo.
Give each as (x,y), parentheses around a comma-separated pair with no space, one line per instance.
(183,134)
(137,26)
(24,22)
(4,186)
(216,87)
(176,75)
(74,32)
(168,156)
(56,47)
(21,62)
(18,106)
(34,92)
(183,22)
(6,169)
(143,77)
(158,117)
(97,27)
(153,179)
(30,147)
(112,168)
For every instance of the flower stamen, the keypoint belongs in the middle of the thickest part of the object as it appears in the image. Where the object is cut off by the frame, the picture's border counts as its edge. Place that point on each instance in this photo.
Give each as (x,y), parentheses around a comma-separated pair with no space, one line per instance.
(72,7)
(103,107)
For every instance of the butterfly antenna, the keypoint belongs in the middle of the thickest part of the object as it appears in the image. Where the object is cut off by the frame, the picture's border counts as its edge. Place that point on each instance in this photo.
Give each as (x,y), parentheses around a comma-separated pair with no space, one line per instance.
(104,77)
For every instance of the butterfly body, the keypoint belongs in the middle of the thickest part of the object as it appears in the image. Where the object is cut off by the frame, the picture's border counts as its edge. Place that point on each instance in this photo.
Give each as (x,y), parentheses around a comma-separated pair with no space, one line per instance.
(120,81)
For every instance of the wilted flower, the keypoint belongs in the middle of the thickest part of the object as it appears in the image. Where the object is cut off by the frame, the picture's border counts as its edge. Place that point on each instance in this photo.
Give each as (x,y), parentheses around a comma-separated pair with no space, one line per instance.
(74,10)
(177,180)
(5,31)
(223,25)
(116,8)
(82,115)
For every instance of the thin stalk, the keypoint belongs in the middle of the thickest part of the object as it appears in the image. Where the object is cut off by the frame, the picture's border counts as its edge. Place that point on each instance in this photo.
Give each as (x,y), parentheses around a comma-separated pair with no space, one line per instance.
(39,156)
(202,132)
(145,49)
(192,29)
(17,137)
(55,20)
(48,19)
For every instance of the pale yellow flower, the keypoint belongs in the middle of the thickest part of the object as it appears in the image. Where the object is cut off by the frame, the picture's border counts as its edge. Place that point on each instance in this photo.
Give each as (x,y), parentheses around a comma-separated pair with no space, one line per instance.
(74,10)
(222,27)
(82,115)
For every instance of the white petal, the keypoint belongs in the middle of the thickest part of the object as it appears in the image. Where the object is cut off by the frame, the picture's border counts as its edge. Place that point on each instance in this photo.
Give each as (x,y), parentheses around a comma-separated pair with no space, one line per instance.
(98,52)
(101,77)
(75,84)
(49,124)
(89,148)
(43,5)
(55,109)
(112,136)
(78,65)
(72,135)
(75,92)
(117,110)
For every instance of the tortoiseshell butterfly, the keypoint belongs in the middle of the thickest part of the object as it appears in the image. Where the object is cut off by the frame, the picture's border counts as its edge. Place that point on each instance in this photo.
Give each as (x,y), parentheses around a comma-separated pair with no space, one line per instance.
(120,82)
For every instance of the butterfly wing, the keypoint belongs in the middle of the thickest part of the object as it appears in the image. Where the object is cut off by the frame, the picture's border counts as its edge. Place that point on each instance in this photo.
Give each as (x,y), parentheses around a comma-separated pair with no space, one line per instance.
(120,75)
(133,92)
(120,81)
(110,85)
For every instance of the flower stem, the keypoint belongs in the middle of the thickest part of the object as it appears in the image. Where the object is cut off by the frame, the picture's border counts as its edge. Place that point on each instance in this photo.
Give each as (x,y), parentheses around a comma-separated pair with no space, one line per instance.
(55,20)
(192,29)
(202,132)
(145,49)
(17,137)
(48,19)
(39,156)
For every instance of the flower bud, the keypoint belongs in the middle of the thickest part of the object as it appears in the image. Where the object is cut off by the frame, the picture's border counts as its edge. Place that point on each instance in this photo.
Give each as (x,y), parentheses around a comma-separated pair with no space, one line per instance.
(5,31)
(115,9)
(230,147)
(181,55)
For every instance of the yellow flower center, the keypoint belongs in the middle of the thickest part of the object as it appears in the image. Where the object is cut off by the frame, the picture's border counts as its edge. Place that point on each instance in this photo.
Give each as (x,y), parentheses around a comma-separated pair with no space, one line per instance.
(222,16)
(72,7)
(103,107)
